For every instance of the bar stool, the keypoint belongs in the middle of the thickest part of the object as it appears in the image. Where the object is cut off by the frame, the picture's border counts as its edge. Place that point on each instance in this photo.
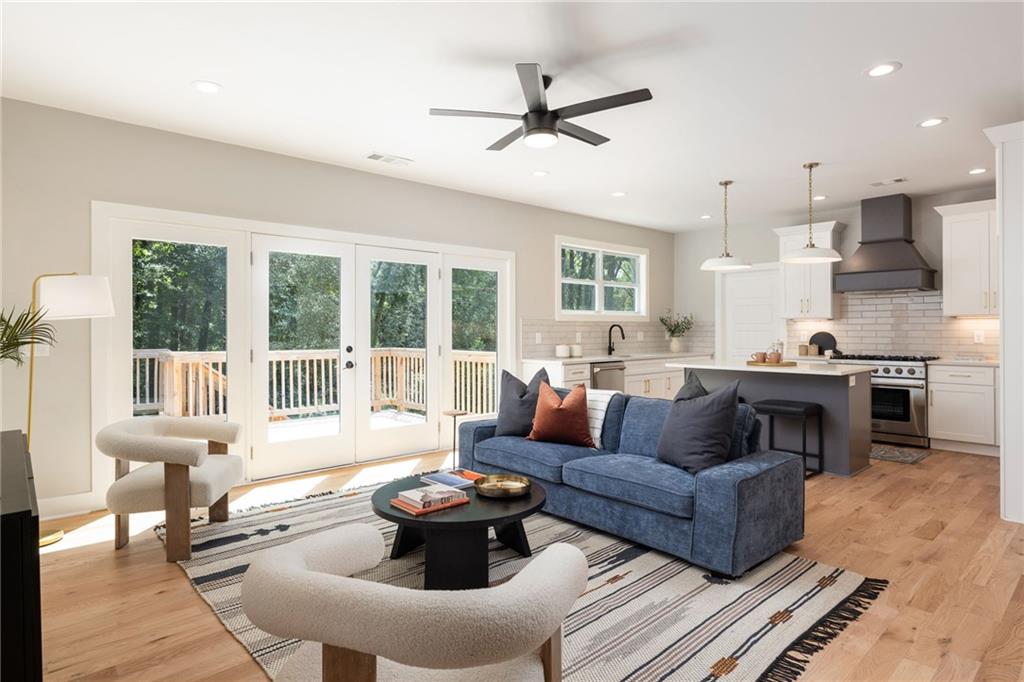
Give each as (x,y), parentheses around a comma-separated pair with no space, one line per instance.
(801,410)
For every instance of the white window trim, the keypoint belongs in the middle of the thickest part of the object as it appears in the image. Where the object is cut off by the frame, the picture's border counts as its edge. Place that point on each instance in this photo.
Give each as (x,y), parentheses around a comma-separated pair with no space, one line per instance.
(642,283)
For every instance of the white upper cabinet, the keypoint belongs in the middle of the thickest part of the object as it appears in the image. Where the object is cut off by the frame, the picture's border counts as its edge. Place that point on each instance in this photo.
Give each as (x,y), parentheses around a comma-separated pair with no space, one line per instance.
(807,290)
(970,259)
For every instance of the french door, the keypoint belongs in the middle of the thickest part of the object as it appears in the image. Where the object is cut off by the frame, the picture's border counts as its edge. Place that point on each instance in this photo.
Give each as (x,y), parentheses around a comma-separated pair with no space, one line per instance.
(303,336)
(398,351)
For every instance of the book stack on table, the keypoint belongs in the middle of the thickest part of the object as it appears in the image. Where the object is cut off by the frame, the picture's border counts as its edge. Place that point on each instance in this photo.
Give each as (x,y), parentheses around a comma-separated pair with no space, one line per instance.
(443,490)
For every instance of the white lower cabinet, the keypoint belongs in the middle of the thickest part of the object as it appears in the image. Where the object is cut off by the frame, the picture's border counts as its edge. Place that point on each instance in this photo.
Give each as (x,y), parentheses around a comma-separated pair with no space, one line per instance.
(962,404)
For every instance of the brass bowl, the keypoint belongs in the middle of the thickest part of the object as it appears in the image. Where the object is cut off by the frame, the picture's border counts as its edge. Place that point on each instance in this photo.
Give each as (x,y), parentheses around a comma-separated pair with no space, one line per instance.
(502,485)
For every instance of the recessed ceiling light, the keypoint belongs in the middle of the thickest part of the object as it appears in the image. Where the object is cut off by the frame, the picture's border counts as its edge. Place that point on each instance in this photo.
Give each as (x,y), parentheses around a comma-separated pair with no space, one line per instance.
(884,69)
(705,217)
(820,197)
(977,171)
(207,87)
(618,194)
(932,122)
(539,173)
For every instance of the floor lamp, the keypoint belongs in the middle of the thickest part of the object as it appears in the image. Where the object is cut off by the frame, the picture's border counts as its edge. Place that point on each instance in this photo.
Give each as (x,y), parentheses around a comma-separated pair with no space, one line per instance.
(64,296)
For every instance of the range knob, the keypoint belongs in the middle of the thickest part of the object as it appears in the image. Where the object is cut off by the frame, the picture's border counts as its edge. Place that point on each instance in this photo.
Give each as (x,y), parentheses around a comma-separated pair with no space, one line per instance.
(911,371)
(885,370)
(899,370)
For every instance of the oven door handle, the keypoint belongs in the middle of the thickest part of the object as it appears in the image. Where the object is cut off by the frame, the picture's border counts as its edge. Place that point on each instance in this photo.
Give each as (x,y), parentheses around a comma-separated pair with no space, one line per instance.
(901,384)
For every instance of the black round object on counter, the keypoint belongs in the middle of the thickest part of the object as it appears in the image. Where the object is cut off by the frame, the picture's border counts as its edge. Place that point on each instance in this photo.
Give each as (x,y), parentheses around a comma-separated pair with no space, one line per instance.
(824,340)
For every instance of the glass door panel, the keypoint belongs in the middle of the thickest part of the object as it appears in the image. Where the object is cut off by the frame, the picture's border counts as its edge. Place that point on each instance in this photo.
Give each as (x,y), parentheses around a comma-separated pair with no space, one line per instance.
(301,316)
(398,410)
(179,328)
(477,337)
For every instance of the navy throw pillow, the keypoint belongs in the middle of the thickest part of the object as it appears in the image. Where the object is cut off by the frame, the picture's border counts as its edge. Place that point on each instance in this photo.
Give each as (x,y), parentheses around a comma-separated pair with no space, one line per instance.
(691,388)
(518,403)
(698,431)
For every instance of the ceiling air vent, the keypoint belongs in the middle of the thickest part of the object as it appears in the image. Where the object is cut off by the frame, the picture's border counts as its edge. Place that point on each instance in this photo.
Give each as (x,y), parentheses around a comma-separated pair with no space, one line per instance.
(393,159)
(888,181)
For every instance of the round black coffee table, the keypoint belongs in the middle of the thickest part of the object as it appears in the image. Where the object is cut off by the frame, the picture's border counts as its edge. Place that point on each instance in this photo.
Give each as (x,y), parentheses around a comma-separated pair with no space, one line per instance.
(456,538)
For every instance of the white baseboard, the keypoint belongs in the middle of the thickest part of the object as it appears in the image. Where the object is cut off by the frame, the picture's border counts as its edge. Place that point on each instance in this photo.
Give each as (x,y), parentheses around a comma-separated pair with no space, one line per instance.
(969,448)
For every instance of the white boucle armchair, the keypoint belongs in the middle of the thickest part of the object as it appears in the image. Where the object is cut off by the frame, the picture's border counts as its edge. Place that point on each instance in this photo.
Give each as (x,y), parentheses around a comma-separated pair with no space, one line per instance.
(179,473)
(362,631)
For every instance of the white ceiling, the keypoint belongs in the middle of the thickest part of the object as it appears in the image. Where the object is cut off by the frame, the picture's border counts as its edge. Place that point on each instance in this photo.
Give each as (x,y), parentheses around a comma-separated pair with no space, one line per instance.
(747,92)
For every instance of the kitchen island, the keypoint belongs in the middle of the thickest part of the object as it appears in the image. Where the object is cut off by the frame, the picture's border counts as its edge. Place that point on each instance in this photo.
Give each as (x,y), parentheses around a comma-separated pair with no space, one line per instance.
(843,391)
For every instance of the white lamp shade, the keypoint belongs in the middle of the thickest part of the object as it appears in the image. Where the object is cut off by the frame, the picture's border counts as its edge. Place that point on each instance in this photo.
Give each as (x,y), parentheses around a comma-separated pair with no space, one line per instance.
(811,255)
(73,297)
(540,139)
(724,264)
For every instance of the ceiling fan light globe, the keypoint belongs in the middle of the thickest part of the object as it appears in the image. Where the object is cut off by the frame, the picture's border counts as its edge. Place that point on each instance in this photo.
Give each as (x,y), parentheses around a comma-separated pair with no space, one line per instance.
(810,255)
(724,264)
(540,139)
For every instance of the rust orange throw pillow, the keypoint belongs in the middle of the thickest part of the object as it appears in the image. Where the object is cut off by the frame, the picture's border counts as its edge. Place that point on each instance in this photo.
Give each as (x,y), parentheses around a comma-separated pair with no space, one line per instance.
(562,421)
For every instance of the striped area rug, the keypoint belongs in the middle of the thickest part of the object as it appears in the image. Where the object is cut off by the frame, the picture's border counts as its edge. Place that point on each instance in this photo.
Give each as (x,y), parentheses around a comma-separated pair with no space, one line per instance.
(645,615)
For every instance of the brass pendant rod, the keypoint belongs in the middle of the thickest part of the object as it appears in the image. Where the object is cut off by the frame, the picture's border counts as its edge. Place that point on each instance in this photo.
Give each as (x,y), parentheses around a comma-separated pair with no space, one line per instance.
(725,218)
(810,166)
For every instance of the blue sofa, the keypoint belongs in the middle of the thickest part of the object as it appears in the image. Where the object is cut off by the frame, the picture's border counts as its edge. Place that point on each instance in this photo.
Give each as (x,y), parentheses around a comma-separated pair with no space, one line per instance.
(726,518)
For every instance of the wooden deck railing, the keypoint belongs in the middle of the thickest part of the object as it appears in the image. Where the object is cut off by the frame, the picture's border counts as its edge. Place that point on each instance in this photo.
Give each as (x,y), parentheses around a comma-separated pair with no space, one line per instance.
(304,382)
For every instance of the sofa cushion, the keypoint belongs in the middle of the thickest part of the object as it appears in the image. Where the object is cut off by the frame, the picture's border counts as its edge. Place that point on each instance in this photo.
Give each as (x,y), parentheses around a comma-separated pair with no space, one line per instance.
(698,432)
(518,403)
(142,490)
(562,420)
(529,457)
(641,425)
(746,437)
(636,479)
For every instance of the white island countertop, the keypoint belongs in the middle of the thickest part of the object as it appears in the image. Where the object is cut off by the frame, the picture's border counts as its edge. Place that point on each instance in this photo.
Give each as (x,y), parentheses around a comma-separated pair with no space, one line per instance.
(625,356)
(821,369)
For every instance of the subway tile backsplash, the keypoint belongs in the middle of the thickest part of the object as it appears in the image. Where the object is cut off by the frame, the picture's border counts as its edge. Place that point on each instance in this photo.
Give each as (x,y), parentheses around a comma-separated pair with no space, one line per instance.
(594,337)
(900,323)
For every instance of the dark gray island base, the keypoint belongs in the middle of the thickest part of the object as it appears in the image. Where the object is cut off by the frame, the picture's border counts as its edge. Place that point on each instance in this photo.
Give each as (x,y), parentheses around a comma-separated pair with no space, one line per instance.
(844,395)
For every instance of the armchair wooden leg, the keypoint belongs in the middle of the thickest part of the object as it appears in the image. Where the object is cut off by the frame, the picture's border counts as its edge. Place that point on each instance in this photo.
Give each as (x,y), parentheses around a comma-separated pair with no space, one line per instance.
(551,657)
(177,503)
(121,469)
(219,509)
(120,530)
(346,665)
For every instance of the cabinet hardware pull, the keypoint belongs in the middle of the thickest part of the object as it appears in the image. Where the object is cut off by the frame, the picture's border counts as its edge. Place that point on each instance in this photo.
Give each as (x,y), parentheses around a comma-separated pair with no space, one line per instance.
(966,376)
(985,298)
(931,398)
(995,299)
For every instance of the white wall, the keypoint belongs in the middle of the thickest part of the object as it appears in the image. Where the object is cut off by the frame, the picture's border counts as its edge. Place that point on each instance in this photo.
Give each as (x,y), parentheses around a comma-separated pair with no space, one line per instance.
(56,162)
(695,290)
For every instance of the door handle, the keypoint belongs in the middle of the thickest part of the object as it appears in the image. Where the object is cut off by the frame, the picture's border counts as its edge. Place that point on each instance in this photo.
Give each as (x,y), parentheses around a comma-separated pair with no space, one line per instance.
(349,364)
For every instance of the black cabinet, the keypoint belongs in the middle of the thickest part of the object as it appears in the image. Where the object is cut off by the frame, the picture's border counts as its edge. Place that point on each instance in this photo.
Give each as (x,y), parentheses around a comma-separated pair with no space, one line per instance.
(21,637)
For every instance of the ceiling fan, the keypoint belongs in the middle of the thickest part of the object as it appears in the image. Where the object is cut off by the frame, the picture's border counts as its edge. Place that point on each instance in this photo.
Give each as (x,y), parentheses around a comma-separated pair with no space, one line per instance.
(540,126)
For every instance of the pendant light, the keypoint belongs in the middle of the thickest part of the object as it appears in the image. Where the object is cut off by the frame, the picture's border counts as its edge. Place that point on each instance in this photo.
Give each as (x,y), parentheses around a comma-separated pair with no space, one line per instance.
(810,253)
(726,262)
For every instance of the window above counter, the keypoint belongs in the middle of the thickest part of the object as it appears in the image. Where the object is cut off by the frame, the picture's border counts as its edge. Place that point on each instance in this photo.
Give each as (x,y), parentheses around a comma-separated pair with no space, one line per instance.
(596,281)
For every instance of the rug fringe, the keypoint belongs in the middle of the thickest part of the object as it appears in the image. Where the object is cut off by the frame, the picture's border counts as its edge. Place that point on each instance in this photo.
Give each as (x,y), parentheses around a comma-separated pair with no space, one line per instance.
(792,662)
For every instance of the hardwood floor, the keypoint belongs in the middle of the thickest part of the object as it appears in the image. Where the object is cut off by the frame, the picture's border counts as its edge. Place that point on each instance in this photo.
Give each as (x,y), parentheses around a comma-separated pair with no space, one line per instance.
(954,609)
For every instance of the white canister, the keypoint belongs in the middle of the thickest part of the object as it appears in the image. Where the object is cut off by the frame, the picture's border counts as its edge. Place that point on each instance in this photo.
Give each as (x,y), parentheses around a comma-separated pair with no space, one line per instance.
(561,351)
(576,350)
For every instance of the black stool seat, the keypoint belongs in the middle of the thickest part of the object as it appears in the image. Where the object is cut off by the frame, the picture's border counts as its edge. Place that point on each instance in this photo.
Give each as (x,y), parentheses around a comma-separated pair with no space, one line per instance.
(787,408)
(801,410)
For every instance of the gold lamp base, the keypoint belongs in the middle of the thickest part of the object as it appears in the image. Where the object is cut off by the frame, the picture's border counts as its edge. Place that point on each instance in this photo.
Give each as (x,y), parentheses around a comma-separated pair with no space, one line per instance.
(51,538)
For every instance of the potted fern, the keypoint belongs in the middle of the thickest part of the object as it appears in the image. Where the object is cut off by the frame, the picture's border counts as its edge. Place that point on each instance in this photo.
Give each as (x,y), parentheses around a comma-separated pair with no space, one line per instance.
(17,331)
(676,327)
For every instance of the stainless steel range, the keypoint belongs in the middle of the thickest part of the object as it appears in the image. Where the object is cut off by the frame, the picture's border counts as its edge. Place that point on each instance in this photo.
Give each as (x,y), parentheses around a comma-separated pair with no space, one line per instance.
(899,396)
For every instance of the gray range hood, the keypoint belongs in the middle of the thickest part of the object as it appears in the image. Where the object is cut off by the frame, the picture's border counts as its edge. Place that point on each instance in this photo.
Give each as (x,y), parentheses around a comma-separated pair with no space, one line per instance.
(886,257)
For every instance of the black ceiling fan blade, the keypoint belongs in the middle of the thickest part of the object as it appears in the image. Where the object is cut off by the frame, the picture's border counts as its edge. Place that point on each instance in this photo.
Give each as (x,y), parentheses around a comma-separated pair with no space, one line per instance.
(580,133)
(474,114)
(532,80)
(603,103)
(506,141)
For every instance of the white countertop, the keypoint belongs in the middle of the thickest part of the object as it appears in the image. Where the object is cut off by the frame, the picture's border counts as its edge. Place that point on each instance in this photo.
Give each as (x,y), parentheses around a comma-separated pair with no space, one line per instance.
(951,362)
(626,357)
(810,368)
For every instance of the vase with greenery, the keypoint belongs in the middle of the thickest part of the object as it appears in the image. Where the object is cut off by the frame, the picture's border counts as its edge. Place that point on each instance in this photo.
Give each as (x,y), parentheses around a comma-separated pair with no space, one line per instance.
(18,331)
(676,326)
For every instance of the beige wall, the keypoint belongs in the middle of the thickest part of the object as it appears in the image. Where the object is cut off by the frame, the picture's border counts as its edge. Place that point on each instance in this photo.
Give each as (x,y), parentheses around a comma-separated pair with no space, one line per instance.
(56,162)
(695,289)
